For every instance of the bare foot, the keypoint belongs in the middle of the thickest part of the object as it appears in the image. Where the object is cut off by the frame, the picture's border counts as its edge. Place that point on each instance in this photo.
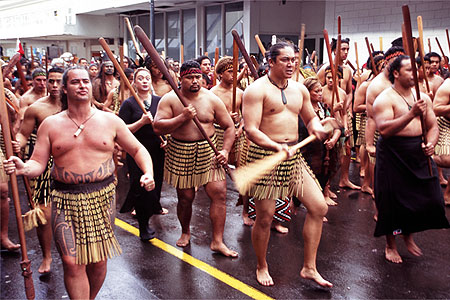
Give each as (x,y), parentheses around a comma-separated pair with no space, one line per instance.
(223,249)
(367,190)
(349,185)
(315,276)
(263,277)
(8,245)
(330,193)
(247,220)
(330,201)
(44,268)
(412,246)
(280,228)
(183,241)
(392,255)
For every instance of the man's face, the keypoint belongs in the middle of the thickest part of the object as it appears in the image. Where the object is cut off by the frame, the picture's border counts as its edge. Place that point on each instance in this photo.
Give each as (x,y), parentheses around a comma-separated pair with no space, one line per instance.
(329,80)
(93,71)
(83,63)
(176,66)
(405,75)
(316,93)
(206,66)
(126,64)
(108,68)
(344,51)
(284,63)
(434,64)
(143,81)
(39,83)
(156,73)
(54,84)
(79,87)
(227,76)
(191,82)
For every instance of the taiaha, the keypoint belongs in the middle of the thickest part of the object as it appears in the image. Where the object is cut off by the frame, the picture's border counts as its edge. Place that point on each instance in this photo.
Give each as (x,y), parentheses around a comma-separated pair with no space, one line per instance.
(381,43)
(235,73)
(122,83)
(448,39)
(333,70)
(260,45)
(408,34)
(245,54)
(25,264)
(429,45)
(181,54)
(440,48)
(254,61)
(404,40)
(374,67)
(122,75)
(357,64)
(301,45)
(216,59)
(130,30)
(148,46)
(422,50)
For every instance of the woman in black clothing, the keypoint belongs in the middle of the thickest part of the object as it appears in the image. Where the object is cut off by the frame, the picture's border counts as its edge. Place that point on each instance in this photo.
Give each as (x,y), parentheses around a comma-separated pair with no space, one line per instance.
(145,203)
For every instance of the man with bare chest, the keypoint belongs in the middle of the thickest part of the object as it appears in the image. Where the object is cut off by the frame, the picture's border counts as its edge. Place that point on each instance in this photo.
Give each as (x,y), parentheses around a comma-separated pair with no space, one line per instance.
(408,197)
(104,83)
(271,106)
(37,91)
(190,162)
(34,116)
(83,174)
(224,90)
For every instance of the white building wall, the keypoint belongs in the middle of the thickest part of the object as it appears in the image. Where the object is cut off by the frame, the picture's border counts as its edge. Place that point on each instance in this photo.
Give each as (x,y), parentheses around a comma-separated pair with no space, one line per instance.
(375,19)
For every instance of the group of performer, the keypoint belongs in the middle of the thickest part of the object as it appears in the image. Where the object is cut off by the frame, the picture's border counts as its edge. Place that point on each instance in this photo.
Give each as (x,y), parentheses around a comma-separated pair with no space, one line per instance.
(72,125)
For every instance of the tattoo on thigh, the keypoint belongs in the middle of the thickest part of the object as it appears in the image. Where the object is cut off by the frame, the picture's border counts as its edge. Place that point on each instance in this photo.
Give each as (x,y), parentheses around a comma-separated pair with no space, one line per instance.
(64,238)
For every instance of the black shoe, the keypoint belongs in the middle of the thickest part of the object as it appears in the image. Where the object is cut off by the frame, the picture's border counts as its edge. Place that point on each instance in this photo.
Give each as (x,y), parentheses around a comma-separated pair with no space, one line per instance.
(147,234)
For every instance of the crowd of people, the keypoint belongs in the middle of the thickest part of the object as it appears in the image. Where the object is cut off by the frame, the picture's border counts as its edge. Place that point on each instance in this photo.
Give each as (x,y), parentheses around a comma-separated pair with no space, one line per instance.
(74,121)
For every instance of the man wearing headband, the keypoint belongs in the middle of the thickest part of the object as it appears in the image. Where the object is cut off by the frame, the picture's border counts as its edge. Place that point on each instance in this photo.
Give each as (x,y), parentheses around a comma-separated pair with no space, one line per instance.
(408,197)
(224,90)
(34,116)
(37,91)
(271,107)
(190,162)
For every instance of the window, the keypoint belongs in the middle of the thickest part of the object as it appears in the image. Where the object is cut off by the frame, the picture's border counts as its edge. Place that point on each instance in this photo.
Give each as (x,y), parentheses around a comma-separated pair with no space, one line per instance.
(233,19)
(189,33)
(173,35)
(213,29)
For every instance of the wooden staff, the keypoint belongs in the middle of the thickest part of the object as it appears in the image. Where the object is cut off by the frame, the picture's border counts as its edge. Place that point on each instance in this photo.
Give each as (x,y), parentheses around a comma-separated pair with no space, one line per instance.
(422,50)
(235,72)
(32,55)
(244,53)
(125,79)
(301,45)
(349,63)
(408,31)
(442,51)
(260,45)
(25,264)
(374,67)
(255,63)
(23,81)
(162,67)
(381,43)
(333,71)
(372,48)
(448,39)
(130,30)
(339,21)
(357,64)
(122,66)
(181,54)
(216,59)
(404,40)
(429,45)
(335,75)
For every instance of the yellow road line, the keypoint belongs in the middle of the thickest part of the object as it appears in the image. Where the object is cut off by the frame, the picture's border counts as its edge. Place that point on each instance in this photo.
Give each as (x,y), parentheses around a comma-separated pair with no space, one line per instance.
(216,273)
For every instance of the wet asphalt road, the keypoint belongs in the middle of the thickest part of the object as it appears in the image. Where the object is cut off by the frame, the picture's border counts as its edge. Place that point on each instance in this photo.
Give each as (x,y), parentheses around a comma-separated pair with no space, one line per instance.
(349,256)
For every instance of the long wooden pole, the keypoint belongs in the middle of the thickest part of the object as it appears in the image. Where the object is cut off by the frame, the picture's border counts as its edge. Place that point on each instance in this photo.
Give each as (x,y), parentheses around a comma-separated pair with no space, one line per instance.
(422,51)
(119,69)
(300,47)
(244,53)
(442,51)
(409,38)
(216,59)
(381,43)
(260,45)
(148,46)
(25,264)
(448,39)
(357,64)
(374,67)
(122,82)
(235,73)
(181,54)
(332,67)
(130,30)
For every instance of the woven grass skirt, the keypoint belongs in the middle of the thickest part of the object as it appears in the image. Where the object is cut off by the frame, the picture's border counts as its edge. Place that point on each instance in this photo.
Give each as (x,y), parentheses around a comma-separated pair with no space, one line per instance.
(284,181)
(361,139)
(443,144)
(87,209)
(191,164)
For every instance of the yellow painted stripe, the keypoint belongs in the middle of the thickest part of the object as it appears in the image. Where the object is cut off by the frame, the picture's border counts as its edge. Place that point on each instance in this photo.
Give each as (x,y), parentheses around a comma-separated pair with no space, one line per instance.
(216,273)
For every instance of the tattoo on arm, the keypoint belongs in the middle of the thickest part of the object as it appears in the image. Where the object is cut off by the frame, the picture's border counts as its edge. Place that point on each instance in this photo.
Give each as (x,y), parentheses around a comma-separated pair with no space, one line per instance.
(105,170)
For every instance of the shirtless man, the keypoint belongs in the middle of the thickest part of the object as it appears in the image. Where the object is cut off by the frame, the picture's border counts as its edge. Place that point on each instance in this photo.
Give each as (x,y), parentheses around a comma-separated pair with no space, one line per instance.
(37,91)
(441,106)
(187,151)
(271,106)
(160,86)
(224,90)
(34,115)
(83,175)
(205,65)
(433,60)
(104,83)
(408,197)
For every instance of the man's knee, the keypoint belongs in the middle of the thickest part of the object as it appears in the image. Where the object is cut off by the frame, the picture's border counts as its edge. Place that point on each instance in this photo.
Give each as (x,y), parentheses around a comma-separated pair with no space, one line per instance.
(185,196)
